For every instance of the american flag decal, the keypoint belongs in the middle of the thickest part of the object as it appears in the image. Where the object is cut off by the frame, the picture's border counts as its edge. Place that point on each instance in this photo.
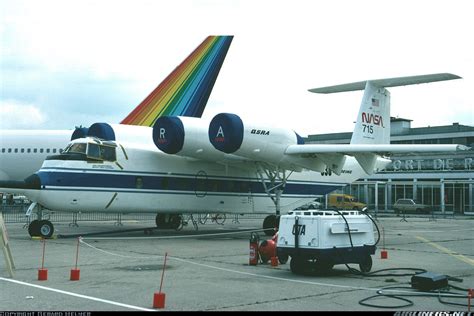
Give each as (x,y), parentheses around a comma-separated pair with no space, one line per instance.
(375,102)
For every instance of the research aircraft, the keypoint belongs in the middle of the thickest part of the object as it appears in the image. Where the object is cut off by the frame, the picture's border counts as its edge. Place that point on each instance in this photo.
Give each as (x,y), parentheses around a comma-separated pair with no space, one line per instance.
(183,92)
(223,165)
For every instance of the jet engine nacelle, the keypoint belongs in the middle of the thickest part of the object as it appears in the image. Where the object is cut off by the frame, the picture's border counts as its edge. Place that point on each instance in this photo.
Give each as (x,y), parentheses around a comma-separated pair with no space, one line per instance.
(116,132)
(229,134)
(184,136)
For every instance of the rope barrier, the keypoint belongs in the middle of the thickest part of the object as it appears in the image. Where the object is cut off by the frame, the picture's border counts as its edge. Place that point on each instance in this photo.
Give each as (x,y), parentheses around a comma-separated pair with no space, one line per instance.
(175,236)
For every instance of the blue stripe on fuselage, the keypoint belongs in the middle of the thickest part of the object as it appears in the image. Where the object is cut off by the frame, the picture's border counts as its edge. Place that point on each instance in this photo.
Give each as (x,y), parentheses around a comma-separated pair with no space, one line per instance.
(184,183)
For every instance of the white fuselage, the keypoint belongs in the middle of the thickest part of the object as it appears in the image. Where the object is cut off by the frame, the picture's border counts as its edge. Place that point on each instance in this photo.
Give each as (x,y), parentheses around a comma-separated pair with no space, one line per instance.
(22,152)
(144,179)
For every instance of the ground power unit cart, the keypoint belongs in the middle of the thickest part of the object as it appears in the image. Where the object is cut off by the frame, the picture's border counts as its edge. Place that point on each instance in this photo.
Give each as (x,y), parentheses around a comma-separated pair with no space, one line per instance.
(317,240)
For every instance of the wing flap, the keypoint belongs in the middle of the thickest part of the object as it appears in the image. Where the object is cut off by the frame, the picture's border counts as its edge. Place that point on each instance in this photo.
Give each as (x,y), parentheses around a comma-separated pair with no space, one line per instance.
(379,149)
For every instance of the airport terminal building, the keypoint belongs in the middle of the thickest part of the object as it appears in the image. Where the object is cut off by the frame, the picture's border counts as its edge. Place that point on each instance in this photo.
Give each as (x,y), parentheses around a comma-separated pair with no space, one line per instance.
(445,182)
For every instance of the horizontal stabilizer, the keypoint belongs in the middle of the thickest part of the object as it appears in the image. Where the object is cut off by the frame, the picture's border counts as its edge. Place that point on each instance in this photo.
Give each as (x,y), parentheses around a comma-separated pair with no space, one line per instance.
(332,157)
(385,83)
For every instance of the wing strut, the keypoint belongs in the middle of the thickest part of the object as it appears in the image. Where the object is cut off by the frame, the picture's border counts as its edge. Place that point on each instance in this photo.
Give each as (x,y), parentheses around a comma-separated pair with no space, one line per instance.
(278,178)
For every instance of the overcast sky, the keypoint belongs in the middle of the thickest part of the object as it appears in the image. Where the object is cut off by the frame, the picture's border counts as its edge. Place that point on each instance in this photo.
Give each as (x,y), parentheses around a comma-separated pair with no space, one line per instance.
(69,63)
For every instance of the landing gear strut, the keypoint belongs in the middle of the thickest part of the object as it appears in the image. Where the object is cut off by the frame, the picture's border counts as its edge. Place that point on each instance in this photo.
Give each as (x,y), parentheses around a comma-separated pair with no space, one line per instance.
(278,178)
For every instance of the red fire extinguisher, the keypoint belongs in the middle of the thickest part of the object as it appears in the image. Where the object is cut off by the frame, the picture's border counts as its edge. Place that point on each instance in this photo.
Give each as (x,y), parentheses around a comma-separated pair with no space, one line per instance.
(253,259)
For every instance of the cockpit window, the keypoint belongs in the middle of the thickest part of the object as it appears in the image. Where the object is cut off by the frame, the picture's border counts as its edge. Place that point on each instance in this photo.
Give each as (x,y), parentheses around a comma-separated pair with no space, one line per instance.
(77,148)
(95,151)
(101,152)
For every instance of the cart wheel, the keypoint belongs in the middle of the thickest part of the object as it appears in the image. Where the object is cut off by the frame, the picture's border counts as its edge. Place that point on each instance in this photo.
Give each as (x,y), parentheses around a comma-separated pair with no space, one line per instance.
(283,259)
(366,264)
(323,265)
(297,265)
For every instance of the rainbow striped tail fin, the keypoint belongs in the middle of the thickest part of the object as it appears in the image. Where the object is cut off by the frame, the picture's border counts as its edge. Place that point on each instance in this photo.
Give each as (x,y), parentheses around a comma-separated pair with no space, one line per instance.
(186,90)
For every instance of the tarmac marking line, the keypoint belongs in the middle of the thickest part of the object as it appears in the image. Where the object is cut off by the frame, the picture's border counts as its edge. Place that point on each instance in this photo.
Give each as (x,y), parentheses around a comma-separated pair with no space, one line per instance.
(447,251)
(79,295)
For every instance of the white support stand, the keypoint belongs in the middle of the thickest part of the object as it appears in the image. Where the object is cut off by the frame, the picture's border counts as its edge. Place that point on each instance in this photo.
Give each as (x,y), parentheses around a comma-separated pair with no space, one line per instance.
(6,248)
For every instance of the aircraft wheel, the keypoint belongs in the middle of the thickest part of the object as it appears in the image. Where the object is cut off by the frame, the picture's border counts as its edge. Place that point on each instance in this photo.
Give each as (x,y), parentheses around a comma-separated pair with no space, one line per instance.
(33,228)
(160,220)
(46,229)
(270,224)
(176,222)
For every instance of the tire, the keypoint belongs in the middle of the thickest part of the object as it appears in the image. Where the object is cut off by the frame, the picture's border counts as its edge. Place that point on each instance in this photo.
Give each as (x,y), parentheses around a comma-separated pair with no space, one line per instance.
(33,228)
(176,222)
(322,266)
(366,264)
(169,221)
(297,265)
(160,220)
(283,259)
(45,229)
(269,225)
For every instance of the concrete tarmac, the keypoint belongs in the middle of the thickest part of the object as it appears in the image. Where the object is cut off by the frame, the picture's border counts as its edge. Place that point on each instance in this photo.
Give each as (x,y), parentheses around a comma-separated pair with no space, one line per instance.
(208,269)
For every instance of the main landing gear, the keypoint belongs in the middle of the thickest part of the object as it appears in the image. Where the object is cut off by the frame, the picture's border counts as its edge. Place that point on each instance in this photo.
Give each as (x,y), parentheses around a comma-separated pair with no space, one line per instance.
(273,181)
(169,221)
(41,228)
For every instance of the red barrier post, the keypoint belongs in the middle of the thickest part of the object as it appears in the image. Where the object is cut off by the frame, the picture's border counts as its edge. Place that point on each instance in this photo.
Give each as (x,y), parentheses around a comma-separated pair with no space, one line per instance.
(43,273)
(383,253)
(470,293)
(75,273)
(159,298)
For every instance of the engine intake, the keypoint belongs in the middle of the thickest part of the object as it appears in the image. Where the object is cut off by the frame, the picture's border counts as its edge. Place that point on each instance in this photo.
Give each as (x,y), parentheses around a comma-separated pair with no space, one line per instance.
(102,131)
(229,134)
(184,136)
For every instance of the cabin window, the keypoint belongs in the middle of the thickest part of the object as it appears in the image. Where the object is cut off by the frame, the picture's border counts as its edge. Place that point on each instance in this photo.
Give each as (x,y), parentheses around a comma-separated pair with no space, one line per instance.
(3,150)
(28,150)
(9,150)
(22,150)
(47,150)
(139,182)
(35,150)
(54,150)
(41,150)
(16,150)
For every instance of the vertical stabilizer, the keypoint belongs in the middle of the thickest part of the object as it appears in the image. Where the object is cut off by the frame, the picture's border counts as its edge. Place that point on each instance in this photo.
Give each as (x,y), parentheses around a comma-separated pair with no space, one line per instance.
(373,121)
(187,88)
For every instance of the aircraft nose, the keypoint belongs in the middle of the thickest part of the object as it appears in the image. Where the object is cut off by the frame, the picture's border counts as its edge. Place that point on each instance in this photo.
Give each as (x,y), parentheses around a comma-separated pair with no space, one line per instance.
(33,182)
